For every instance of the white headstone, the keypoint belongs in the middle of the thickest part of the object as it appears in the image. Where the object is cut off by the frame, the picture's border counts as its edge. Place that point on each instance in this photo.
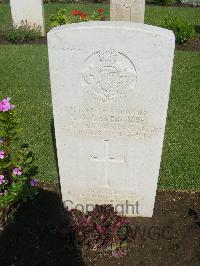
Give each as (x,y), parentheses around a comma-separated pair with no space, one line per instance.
(127,10)
(30,11)
(110,87)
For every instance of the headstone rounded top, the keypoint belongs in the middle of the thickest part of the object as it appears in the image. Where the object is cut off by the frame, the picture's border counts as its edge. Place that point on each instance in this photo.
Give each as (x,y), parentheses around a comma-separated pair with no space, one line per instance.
(115,24)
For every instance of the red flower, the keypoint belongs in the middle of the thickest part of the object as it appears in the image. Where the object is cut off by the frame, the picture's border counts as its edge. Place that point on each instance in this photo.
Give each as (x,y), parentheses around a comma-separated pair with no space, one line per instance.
(101,10)
(83,15)
(75,12)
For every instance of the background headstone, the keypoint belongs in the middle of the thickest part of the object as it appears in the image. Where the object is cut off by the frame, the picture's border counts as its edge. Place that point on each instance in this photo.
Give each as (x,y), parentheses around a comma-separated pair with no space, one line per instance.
(30,11)
(127,10)
(110,87)
(191,2)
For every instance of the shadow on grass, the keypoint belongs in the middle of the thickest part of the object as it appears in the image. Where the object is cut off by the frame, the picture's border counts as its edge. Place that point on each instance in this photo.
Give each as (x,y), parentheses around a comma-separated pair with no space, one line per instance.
(197,29)
(55,150)
(54,144)
(39,235)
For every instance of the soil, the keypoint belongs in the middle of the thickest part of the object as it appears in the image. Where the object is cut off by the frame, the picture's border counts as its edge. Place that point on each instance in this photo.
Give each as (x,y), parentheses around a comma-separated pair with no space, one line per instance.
(191,45)
(39,236)
(3,41)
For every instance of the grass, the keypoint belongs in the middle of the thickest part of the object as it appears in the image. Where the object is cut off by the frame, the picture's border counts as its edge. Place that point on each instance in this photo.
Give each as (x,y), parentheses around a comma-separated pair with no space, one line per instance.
(153,14)
(180,166)
(24,76)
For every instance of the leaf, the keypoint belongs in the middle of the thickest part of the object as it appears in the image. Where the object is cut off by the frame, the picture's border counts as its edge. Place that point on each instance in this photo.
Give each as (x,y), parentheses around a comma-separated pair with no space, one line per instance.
(124,244)
(6,165)
(114,246)
(29,160)
(3,132)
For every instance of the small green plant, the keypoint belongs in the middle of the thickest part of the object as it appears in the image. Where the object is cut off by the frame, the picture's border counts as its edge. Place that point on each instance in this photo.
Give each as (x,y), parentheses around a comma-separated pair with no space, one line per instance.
(22,34)
(16,170)
(102,230)
(59,18)
(182,30)
(97,14)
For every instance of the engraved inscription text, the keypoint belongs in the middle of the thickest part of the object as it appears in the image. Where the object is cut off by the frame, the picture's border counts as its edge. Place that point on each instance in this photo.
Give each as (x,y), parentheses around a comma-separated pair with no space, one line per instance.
(108,123)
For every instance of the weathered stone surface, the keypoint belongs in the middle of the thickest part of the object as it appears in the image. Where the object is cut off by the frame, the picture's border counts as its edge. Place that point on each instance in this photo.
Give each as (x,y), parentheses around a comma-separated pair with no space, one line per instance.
(30,11)
(127,10)
(110,87)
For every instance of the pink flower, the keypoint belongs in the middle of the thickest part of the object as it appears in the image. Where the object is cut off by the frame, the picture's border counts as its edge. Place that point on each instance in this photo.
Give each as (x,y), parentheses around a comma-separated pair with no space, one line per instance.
(2,179)
(5,105)
(17,171)
(1,141)
(2,154)
(1,194)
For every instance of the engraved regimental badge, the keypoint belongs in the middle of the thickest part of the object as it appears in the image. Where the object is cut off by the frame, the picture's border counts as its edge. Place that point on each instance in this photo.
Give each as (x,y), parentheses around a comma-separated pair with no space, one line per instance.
(108,76)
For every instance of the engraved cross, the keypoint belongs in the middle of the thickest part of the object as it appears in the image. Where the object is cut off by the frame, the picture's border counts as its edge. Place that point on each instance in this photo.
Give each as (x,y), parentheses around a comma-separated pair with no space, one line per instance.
(107,160)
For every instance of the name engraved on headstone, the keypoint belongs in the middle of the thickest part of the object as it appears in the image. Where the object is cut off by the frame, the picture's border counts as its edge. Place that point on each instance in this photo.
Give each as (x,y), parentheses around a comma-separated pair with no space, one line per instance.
(108,122)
